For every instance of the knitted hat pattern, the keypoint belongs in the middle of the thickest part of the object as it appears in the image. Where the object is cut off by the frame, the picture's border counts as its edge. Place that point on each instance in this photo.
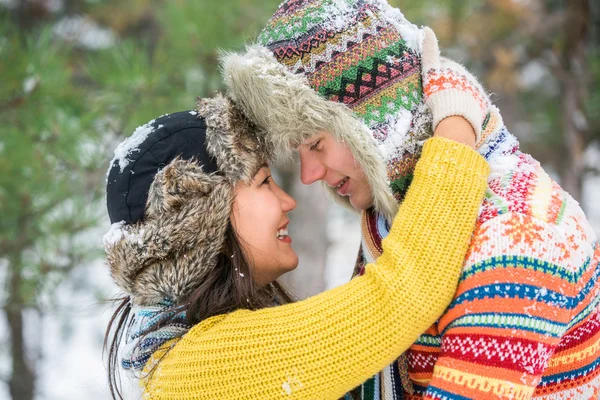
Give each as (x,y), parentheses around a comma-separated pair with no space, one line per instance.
(365,55)
(168,253)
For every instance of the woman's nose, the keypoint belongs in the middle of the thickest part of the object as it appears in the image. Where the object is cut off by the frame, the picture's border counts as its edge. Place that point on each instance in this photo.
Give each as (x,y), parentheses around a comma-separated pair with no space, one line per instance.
(287,202)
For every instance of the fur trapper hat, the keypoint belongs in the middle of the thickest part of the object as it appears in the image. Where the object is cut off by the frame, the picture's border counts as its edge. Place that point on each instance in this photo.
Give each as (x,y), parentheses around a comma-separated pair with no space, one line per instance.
(169,196)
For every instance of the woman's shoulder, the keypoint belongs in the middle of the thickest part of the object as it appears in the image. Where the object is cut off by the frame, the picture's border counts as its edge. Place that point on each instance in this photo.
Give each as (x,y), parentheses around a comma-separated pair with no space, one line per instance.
(164,366)
(205,327)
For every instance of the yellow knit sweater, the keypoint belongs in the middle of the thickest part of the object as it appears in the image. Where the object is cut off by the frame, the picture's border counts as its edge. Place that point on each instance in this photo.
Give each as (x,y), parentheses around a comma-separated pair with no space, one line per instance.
(326,345)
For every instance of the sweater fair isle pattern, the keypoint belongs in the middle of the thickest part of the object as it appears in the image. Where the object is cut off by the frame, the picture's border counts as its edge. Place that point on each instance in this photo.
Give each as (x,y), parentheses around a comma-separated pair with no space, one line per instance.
(525,320)
(321,347)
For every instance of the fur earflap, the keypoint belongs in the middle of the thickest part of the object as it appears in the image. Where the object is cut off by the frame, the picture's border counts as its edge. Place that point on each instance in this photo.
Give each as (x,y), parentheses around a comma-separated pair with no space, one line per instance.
(169,253)
(232,139)
(288,111)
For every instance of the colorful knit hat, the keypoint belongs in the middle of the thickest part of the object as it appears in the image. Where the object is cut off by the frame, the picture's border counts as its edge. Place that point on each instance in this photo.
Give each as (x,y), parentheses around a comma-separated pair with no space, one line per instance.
(362,55)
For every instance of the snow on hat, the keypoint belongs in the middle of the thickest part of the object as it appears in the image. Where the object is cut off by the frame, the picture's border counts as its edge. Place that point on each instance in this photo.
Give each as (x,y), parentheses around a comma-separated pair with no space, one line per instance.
(169,195)
(351,67)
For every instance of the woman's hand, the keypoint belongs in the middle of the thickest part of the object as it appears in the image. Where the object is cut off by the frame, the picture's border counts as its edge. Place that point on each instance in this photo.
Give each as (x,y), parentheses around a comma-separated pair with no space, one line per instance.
(450,90)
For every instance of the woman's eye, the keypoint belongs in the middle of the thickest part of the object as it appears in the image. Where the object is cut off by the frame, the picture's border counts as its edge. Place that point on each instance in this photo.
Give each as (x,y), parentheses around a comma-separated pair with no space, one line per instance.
(315,145)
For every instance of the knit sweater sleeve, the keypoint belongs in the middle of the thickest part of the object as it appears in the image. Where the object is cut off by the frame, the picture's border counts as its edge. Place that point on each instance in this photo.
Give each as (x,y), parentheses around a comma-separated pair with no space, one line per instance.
(514,302)
(328,344)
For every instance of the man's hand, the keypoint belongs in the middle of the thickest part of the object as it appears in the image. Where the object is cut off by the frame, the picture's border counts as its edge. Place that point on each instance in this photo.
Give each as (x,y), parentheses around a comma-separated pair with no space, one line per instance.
(457,129)
(450,90)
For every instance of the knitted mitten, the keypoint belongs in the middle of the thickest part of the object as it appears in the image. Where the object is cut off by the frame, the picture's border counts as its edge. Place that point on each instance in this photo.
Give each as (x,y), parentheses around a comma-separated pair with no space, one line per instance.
(450,89)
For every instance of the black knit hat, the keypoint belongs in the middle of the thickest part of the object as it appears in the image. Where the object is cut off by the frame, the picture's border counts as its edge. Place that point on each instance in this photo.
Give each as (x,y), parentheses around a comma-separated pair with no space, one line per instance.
(151,147)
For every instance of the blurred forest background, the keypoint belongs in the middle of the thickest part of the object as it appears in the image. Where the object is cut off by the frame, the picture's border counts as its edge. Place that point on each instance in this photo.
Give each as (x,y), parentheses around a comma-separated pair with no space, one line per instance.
(77,76)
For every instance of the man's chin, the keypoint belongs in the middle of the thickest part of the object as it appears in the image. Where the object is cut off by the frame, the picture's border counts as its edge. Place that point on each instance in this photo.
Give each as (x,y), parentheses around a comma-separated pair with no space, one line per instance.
(360,204)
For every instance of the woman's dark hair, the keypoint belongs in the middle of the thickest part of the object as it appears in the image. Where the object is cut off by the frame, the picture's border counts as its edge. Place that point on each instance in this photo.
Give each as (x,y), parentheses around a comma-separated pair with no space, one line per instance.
(228,287)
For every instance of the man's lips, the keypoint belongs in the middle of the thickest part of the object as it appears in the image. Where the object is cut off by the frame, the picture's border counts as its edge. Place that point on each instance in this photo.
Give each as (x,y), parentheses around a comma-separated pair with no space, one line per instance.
(338,184)
(343,187)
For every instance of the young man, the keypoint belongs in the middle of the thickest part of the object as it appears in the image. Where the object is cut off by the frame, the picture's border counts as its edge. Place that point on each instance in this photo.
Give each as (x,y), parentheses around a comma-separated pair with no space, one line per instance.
(351,84)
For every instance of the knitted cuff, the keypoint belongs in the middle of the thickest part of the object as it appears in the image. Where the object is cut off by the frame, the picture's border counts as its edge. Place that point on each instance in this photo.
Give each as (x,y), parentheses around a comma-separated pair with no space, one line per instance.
(441,155)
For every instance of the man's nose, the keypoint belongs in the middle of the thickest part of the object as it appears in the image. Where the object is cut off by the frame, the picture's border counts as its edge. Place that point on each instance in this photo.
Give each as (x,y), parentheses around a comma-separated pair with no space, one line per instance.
(311,169)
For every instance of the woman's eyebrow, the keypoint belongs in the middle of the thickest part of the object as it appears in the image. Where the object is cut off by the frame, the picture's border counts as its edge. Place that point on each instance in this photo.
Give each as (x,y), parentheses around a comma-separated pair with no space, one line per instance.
(256,176)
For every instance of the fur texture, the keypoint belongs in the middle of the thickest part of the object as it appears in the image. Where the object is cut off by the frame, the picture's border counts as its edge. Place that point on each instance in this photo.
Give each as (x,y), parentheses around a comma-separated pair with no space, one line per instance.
(233,140)
(288,112)
(169,252)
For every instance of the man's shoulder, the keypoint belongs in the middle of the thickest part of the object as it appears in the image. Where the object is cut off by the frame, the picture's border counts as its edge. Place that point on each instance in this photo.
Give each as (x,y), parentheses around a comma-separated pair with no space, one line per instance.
(519,184)
(527,214)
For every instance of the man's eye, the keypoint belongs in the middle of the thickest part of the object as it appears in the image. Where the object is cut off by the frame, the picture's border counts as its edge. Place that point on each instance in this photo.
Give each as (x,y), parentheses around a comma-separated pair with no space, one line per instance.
(267,180)
(315,145)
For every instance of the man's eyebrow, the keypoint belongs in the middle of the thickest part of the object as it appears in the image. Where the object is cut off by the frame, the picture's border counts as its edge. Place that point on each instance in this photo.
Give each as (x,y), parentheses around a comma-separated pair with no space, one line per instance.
(300,145)
(310,140)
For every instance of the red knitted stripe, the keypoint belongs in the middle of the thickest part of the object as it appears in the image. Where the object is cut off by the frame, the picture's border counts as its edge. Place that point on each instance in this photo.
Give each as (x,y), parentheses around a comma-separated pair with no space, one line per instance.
(421,361)
(521,355)
(581,333)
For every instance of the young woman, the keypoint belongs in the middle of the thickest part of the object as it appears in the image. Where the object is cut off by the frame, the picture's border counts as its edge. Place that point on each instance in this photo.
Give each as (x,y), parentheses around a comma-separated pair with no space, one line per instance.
(199,238)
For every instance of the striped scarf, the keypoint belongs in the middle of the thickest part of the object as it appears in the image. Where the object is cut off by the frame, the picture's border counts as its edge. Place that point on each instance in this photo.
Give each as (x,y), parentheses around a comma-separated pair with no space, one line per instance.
(148,331)
(389,383)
